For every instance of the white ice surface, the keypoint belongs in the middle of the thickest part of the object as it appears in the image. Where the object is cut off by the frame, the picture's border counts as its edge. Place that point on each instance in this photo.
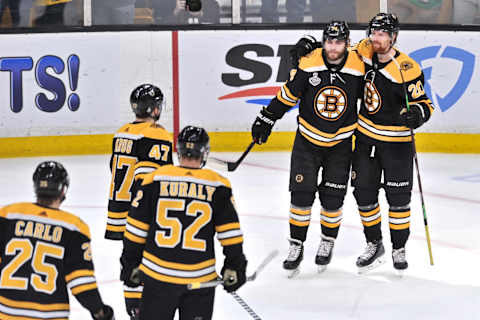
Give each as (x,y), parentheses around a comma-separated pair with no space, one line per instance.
(448,290)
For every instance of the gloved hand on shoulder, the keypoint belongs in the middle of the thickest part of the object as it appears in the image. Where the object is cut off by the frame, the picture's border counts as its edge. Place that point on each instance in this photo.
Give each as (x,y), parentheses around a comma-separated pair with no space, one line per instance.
(304,46)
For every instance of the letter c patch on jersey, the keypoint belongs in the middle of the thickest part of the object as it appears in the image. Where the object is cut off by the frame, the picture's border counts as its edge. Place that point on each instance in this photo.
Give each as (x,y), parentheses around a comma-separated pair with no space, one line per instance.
(331,103)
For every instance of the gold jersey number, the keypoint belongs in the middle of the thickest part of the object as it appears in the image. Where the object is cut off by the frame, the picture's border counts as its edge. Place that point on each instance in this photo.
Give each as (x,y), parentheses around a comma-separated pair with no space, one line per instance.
(126,177)
(44,277)
(199,209)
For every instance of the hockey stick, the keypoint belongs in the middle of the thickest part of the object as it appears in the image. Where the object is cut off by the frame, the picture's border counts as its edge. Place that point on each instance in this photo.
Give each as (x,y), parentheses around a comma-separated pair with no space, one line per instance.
(253,276)
(415,158)
(227,165)
(245,306)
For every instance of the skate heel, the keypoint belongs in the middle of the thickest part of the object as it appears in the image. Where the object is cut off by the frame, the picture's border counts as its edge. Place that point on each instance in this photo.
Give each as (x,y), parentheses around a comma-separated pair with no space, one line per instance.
(293,273)
(375,264)
(321,269)
(295,256)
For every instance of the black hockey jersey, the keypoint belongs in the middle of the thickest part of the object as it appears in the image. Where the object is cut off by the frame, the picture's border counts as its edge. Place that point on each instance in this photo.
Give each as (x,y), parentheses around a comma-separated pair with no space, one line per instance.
(328,97)
(384,97)
(172,223)
(43,251)
(133,145)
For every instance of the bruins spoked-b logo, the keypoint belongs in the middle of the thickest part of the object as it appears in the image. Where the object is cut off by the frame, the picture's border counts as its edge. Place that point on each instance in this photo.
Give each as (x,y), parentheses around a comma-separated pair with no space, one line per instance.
(371,97)
(331,103)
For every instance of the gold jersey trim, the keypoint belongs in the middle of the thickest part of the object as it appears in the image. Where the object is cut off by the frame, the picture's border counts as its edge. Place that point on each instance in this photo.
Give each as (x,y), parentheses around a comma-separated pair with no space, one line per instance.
(410,68)
(383,133)
(178,273)
(175,173)
(11,309)
(140,130)
(33,212)
(321,138)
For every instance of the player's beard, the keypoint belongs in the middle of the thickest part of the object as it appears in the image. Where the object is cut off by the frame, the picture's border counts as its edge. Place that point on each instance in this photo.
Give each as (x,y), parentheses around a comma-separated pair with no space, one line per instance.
(333,55)
(380,47)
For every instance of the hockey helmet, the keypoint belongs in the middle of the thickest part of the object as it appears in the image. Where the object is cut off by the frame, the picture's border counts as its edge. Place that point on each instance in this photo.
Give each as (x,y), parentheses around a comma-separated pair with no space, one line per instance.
(50,180)
(146,98)
(193,142)
(387,22)
(336,30)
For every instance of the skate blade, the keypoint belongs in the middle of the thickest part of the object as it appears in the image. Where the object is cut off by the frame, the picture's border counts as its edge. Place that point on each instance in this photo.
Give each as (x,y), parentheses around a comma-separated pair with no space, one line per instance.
(321,268)
(400,273)
(293,273)
(375,264)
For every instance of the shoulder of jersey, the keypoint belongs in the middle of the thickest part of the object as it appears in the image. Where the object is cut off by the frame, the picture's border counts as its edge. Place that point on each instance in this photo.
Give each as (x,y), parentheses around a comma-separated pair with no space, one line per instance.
(354,65)
(410,68)
(205,175)
(147,130)
(64,218)
(364,49)
(313,61)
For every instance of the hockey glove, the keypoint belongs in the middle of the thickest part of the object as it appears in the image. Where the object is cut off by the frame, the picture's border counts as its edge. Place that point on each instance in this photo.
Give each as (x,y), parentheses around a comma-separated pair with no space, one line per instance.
(304,46)
(262,127)
(412,118)
(106,313)
(130,276)
(234,274)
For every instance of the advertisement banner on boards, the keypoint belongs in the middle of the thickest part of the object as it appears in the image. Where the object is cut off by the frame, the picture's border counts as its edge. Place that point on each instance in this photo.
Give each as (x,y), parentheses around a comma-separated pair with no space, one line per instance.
(78,83)
(227,76)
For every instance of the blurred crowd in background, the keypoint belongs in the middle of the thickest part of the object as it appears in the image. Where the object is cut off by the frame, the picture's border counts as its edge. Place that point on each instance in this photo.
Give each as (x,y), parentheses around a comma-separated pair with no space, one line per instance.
(33,13)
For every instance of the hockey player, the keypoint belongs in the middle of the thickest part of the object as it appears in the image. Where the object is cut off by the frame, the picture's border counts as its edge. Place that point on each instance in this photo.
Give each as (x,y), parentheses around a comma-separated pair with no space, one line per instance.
(384,142)
(328,83)
(138,147)
(169,242)
(44,250)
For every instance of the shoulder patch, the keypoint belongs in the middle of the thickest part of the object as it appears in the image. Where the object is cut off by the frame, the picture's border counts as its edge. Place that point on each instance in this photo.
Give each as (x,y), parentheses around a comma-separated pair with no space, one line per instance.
(410,69)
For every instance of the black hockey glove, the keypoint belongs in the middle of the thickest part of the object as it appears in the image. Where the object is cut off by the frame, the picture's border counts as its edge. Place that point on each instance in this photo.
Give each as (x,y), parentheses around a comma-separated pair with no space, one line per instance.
(106,313)
(234,273)
(304,46)
(412,118)
(130,276)
(262,127)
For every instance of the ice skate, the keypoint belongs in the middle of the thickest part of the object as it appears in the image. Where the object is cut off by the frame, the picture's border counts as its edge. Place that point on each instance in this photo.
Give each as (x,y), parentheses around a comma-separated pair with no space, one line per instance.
(399,261)
(324,253)
(295,256)
(372,258)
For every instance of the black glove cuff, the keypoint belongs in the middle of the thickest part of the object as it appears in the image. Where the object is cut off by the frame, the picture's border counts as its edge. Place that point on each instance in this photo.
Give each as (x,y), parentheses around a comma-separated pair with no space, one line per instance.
(267,116)
(236,263)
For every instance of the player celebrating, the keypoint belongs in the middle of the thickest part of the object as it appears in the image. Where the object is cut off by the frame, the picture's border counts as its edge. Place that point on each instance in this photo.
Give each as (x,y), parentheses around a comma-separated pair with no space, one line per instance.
(44,250)
(168,241)
(328,83)
(384,142)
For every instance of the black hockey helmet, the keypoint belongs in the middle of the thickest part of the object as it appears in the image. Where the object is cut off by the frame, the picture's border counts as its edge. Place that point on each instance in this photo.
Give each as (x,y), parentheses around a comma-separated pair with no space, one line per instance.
(144,99)
(193,142)
(387,22)
(336,30)
(50,180)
